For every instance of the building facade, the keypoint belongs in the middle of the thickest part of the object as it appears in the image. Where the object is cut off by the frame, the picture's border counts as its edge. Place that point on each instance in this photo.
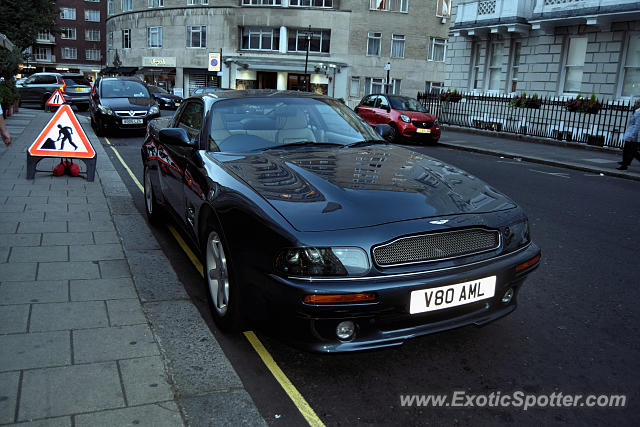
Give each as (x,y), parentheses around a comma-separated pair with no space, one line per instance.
(550,47)
(79,47)
(346,47)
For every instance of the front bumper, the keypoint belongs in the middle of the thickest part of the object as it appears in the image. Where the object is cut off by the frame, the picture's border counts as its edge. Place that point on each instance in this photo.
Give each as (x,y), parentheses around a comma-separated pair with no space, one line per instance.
(387,321)
(412,132)
(109,121)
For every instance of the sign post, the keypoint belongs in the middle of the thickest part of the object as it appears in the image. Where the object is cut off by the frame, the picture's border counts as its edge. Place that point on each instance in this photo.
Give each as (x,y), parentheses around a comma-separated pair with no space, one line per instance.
(62,137)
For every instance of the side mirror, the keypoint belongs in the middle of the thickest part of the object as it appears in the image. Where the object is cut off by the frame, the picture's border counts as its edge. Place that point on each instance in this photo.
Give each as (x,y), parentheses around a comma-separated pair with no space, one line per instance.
(175,136)
(384,130)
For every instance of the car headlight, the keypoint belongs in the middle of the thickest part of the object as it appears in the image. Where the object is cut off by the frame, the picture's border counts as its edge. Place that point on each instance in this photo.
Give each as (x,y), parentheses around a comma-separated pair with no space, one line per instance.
(339,261)
(516,236)
(405,118)
(105,110)
(154,109)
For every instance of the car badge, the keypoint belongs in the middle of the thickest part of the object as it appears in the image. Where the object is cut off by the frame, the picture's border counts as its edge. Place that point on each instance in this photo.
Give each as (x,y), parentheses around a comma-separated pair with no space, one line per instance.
(131,113)
(439,221)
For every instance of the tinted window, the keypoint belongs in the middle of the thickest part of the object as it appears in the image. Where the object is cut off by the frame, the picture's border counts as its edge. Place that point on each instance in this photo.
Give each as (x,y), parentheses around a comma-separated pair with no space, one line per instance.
(123,89)
(46,80)
(76,81)
(382,102)
(157,89)
(191,119)
(406,104)
(369,101)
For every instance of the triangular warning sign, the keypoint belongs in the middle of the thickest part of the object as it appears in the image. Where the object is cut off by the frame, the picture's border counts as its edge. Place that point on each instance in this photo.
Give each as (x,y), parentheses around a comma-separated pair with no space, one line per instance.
(56,99)
(62,137)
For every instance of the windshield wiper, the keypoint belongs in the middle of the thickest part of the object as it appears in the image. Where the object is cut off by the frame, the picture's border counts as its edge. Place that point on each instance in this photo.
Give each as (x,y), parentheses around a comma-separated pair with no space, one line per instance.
(365,142)
(300,144)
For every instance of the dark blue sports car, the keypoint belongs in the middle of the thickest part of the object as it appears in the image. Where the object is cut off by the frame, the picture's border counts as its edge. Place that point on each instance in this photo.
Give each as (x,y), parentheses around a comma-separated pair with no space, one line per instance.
(307,221)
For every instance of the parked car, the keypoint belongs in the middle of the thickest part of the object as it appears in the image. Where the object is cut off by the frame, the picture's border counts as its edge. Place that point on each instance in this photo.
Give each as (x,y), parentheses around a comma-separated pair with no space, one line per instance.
(121,103)
(406,116)
(38,88)
(307,220)
(164,98)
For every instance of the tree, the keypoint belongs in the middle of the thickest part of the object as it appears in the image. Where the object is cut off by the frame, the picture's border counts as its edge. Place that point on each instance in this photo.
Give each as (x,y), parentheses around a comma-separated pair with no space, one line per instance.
(22,20)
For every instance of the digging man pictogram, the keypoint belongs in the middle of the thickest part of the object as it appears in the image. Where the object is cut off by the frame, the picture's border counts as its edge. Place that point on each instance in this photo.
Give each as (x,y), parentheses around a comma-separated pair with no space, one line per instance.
(65,133)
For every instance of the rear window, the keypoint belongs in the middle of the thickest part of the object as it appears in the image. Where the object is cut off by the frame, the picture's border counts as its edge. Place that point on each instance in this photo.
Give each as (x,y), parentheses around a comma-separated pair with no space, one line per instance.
(76,81)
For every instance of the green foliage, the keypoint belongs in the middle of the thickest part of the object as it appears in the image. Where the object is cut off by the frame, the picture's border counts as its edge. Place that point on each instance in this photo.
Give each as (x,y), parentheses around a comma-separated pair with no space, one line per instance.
(9,60)
(23,20)
(8,92)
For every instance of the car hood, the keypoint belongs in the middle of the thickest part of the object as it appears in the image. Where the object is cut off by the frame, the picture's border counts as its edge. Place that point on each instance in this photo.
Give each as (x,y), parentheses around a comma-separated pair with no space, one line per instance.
(417,115)
(136,104)
(167,96)
(339,188)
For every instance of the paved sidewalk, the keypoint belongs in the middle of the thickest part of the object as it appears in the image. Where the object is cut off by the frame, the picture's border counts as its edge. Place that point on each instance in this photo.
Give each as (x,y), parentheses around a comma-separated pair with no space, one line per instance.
(95,327)
(539,150)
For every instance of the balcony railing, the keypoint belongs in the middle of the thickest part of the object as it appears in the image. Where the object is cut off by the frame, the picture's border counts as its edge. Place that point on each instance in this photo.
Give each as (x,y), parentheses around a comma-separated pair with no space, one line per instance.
(549,118)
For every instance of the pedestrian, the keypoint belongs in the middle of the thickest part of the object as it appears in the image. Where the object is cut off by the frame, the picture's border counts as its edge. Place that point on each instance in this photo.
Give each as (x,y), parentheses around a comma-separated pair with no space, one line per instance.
(65,134)
(630,138)
(6,136)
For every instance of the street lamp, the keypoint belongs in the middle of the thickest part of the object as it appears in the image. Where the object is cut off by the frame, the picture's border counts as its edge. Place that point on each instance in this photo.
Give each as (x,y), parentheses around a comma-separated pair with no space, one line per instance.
(387,67)
(306,59)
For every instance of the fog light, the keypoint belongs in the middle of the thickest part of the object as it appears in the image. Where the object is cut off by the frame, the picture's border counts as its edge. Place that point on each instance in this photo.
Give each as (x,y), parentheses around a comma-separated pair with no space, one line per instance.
(507,296)
(346,330)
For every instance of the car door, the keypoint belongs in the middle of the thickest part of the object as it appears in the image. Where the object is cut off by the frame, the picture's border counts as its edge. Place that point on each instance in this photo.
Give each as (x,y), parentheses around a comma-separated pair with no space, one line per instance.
(27,90)
(174,170)
(365,109)
(383,110)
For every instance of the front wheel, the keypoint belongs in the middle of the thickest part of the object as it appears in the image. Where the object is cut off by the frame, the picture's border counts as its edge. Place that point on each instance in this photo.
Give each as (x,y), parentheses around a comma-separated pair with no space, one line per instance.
(393,135)
(222,292)
(151,207)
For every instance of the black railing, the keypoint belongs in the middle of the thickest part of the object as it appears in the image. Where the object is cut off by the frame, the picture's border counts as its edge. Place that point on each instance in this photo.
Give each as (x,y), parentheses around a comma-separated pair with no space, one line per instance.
(546,117)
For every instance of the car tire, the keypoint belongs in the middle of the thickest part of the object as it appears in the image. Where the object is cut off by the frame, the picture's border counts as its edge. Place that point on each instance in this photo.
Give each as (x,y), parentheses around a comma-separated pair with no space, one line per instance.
(97,127)
(43,102)
(394,136)
(223,293)
(151,206)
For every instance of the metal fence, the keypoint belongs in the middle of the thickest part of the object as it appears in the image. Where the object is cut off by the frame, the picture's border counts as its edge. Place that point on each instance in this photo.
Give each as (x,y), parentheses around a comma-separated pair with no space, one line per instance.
(549,117)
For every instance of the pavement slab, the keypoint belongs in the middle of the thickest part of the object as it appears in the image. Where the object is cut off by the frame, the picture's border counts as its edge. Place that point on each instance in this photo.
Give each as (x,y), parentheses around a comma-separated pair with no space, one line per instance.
(34,350)
(33,292)
(121,342)
(145,381)
(164,414)
(102,289)
(8,396)
(68,315)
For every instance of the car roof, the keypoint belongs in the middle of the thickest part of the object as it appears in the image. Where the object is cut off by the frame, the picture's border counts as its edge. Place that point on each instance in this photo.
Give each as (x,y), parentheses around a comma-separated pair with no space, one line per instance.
(259,93)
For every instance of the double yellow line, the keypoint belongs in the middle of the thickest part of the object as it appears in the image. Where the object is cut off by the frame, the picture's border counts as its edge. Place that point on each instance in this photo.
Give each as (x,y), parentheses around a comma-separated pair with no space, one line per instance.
(305,409)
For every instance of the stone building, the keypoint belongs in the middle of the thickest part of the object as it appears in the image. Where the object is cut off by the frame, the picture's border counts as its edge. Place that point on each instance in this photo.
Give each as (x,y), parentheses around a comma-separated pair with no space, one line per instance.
(550,47)
(263,44)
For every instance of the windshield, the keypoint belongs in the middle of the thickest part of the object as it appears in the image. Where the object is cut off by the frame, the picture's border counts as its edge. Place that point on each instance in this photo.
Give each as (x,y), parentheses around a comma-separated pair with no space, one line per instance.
(157,89)
(249,124)
(123,89)
(406,104)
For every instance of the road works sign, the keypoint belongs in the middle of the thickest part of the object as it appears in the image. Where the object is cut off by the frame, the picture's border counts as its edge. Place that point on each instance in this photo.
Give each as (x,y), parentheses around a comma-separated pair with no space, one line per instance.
(63,137)
(56,99)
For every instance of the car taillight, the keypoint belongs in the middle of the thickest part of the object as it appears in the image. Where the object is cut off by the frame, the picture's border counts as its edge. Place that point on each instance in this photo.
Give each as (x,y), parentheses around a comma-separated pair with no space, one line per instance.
(63,87)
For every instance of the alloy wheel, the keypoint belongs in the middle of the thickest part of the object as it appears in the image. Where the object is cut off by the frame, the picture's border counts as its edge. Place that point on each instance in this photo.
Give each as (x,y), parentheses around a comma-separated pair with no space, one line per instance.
(217,273)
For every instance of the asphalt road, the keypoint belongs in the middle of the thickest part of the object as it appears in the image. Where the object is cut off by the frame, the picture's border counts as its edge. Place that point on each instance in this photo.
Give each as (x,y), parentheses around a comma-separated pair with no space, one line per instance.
(575,330)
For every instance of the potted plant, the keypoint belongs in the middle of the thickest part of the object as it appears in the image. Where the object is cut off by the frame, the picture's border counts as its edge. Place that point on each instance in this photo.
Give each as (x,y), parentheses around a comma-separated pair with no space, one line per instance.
(524,101)
(583,105)
(449,96)
(8,96)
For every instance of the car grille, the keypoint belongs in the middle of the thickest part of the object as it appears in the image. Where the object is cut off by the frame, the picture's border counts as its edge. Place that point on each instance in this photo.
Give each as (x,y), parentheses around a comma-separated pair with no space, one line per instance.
(435,246)
(131,113)
(419,124)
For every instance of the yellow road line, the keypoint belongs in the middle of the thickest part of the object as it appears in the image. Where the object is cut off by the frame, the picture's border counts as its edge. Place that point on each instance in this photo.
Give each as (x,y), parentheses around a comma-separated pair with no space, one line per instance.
(305,409)
(135,180)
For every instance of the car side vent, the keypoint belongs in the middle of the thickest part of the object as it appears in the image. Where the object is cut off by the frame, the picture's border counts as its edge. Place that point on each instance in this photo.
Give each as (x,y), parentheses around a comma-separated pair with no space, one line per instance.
(435,246)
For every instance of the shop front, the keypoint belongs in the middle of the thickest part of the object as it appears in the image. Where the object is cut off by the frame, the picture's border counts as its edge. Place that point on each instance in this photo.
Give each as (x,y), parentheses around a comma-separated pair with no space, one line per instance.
(159,71)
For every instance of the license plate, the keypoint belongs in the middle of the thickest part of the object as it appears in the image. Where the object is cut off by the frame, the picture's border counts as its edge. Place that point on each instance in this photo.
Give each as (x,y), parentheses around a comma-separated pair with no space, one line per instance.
(132,121)
(449,296)
(82,90)
(420,130)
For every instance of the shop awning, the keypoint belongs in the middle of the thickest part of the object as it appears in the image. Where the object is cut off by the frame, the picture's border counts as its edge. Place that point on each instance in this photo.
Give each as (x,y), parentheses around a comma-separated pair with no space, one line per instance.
(119,70)
(157,70)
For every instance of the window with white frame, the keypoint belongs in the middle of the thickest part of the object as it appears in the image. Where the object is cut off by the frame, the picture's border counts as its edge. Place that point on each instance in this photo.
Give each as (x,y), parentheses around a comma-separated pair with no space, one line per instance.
(126,5)
(126,38)
(515,65)
(68,33)
(92,54)
(110,10)
(576,51)
(42,53)
(631,70)
(397,46)
(196,2)
(197,36)
(373,85)
(68,13)
(311,3)
(443,8)
(69,53)
(261,2)
(156,3)
(44,36)
(495,65)
(373,44)
(354,88)
(437,49)
(433,87)
(389,5)
(110,40)
(92,15)
(154,37)
(92,35)
(474,80)
(319,40)
(260,38)
(396,86)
